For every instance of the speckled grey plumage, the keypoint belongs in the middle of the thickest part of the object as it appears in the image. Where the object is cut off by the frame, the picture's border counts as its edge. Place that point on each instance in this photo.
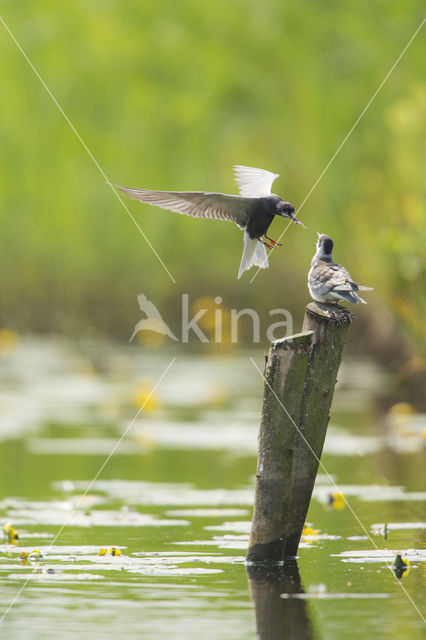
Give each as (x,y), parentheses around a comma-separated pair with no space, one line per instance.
(329,281)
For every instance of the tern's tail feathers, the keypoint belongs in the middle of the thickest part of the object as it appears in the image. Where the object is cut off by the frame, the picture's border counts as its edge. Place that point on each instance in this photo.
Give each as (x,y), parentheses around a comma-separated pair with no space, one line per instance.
(362,288)
(349,296)
(254,255)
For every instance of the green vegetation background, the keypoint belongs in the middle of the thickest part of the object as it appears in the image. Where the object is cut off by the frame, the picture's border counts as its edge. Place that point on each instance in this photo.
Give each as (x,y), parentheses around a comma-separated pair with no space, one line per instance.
(169,95)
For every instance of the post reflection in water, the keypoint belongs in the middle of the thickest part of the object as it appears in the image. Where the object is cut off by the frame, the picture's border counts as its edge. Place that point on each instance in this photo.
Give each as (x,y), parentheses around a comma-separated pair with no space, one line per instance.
(279,617)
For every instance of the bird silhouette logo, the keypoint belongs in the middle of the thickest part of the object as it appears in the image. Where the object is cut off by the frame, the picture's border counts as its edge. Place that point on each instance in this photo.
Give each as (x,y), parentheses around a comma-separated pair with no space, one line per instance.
(153,320)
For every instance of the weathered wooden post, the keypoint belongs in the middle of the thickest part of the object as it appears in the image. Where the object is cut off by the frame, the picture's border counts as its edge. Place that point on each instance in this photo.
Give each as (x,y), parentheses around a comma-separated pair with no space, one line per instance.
(300,376)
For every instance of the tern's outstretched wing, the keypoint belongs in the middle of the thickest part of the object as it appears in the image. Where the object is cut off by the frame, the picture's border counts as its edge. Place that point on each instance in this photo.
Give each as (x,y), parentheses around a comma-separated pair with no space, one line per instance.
(198,204)
(252,182)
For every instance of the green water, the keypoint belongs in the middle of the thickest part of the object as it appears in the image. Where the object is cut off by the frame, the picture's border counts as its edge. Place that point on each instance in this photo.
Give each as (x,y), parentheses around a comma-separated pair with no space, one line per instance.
(175,497)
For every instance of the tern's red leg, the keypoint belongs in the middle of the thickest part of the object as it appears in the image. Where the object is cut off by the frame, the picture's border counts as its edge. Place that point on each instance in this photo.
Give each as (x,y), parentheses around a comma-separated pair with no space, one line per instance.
(270,246)
(276,244)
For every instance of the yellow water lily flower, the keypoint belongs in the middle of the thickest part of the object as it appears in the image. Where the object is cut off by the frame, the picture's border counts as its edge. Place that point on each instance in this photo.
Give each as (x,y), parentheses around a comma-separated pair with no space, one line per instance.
(114,551)
(144,397)
(35,556)
(10,533)
(337,500)
(400,566)
(8,341)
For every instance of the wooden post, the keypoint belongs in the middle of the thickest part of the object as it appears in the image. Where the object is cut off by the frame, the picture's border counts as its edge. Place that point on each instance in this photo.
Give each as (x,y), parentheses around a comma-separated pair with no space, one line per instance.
(300,376)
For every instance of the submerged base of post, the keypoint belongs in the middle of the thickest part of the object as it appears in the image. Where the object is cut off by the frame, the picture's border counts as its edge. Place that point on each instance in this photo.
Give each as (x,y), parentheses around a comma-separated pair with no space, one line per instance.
(300,377)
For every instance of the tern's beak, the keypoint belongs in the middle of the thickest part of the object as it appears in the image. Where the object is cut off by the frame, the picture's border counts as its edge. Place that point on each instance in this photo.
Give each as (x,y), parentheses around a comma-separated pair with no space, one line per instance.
(296,221)
(318,234)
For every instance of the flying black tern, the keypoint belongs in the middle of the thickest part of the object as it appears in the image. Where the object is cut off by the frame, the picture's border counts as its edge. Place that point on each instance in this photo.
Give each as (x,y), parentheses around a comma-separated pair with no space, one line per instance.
(253,210)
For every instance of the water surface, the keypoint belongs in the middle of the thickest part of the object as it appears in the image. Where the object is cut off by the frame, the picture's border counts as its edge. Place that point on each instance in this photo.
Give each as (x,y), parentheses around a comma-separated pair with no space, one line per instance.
(175,499)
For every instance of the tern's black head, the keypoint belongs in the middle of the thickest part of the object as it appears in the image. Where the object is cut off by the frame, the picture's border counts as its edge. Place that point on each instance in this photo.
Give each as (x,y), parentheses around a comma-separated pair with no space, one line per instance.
(324,246)
(284,209)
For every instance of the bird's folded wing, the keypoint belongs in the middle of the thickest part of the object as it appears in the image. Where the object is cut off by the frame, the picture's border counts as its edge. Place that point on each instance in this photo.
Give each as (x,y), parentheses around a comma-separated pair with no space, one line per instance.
(254,183)
(198,204)
(329,277)
(340,280)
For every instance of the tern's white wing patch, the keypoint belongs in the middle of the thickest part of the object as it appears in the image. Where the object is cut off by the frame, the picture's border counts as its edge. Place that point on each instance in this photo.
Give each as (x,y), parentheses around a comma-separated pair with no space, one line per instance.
(253,182)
